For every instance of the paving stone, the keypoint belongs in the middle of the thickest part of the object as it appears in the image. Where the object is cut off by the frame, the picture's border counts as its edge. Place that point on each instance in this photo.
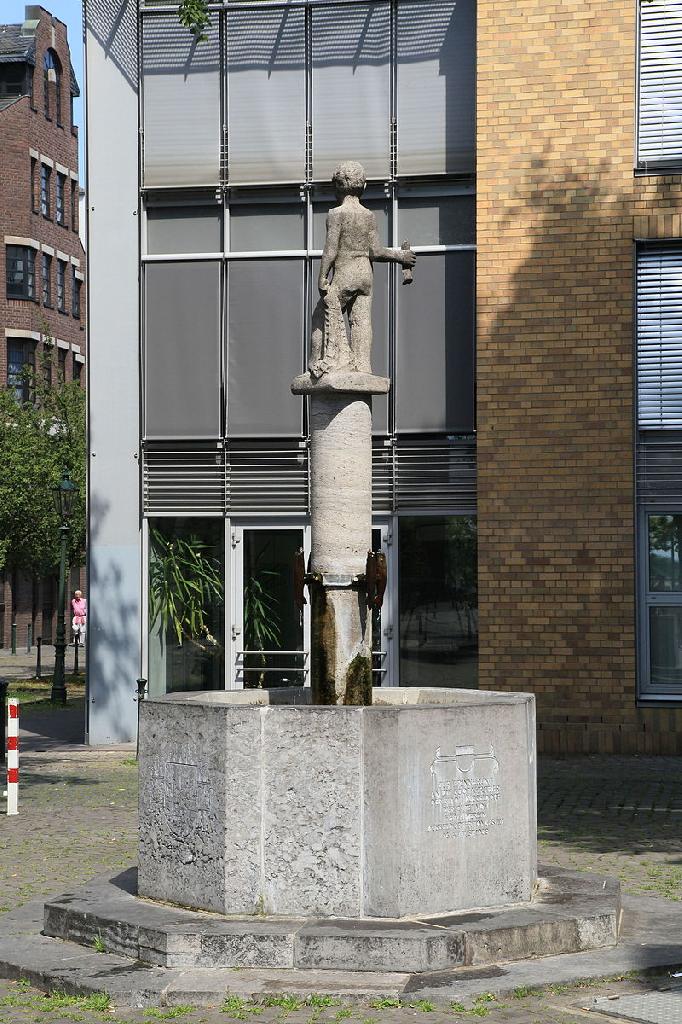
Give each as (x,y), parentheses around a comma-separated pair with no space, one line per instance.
(649,1008)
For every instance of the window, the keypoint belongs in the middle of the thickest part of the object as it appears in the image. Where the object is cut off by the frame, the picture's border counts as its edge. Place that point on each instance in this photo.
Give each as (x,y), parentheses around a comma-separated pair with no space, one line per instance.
(658,461)
(262,292)
(661,607)
(181,104)
(20,362)
(266,94)
(21,272)
(438,601)
(45,176)
(184,229)
(12,79)
(59,199)
(660,84)
(659,337)
(61,364)
(74,205)
(47,279)
(182,350)
(434,382)
(34,196)
(52,74)
(196,661)
(47,364)
(61,286)
(75,294)
(77,372)
(436,86)
(351,87)
(299,87)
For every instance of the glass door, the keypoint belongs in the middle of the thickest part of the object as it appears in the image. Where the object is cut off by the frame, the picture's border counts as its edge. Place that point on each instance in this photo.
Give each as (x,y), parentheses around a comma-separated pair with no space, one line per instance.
(382,619)
(269,633)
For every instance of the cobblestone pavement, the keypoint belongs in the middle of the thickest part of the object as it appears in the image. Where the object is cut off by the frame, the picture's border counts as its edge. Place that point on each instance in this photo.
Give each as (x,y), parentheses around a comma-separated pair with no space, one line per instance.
(78,819)
(619,816)
(22,665)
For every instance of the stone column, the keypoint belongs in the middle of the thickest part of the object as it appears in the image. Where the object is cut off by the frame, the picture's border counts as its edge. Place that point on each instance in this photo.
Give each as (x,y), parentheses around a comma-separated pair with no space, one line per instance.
(341,523)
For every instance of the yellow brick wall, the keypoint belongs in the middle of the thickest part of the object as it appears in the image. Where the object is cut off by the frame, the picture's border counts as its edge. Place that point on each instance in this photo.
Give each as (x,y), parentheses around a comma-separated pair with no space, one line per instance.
(558,208)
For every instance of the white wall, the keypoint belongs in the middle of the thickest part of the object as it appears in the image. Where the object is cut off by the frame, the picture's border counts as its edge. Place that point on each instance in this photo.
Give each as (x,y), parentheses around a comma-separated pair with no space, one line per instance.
(113,379)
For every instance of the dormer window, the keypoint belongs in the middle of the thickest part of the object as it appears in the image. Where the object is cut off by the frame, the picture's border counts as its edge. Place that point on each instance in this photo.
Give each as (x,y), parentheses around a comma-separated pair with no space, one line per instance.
(12,79)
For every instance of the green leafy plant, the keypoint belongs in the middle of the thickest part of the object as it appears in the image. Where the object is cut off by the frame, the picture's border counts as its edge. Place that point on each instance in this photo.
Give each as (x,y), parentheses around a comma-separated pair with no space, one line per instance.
(42,433)
(193,14)
(185,579)
(261,625)
(170,1014)
(98,944)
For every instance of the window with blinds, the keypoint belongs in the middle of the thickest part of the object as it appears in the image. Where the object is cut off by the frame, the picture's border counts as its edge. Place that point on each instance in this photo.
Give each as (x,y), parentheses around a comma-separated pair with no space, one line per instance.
(181,104)
(351,88)
(436,71)
(660,83)
(266,95)
(659,338)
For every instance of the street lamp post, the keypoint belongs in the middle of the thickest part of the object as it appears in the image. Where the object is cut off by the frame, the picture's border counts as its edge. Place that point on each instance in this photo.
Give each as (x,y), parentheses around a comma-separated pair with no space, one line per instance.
(63,497)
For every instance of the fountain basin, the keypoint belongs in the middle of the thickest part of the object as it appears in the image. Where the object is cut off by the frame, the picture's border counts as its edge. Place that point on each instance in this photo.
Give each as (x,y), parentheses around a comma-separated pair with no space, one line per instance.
(256,802)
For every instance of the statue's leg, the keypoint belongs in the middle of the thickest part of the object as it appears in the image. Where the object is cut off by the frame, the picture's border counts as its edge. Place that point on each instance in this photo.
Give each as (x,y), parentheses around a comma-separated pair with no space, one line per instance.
(337,352)
(317,339)
(360,318)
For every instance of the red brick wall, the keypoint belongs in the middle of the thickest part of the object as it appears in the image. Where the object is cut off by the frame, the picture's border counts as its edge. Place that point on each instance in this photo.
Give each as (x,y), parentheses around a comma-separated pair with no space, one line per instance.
(22,128)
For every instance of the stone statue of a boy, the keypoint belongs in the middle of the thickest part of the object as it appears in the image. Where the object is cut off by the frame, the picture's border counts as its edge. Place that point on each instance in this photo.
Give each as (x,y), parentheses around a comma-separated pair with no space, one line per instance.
(351,247)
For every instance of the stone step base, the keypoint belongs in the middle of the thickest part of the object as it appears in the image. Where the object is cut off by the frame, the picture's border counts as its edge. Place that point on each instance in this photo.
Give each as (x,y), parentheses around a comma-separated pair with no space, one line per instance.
(570,913)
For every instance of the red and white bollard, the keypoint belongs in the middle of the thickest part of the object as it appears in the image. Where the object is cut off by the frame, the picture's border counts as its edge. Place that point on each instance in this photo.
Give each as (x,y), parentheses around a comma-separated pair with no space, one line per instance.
(12,756)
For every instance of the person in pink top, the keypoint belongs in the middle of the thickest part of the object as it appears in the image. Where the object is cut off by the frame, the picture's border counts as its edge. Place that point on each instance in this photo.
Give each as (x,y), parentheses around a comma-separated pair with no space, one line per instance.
(79,607)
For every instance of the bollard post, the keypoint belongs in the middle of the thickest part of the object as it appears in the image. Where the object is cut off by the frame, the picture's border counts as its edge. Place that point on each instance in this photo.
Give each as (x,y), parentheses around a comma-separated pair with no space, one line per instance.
(13,756)
(76,638)
(14,638)
(141,687)
(39,644)
(3,711)
(29,637)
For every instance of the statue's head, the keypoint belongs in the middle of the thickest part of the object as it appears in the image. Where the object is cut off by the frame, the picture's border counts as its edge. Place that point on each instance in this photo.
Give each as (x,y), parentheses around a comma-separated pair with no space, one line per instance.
(349,179)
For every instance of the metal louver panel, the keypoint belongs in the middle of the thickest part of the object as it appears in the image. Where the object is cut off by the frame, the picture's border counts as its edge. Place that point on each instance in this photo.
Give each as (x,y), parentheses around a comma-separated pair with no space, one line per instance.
(271,478)
(660,82)
(659,471)
(436,476)
(267,479)
(183,480)
(659,337)
(382,477)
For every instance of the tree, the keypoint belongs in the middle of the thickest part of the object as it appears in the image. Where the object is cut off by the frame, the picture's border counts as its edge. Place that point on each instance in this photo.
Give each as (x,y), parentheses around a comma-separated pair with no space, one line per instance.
(193,14)
(39,439)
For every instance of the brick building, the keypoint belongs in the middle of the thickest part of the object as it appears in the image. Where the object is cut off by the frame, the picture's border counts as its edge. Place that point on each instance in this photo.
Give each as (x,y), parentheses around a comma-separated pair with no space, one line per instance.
(42,264)
(528,487)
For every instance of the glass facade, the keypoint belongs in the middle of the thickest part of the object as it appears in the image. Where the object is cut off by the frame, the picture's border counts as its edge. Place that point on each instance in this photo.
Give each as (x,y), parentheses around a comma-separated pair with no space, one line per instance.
(239,140)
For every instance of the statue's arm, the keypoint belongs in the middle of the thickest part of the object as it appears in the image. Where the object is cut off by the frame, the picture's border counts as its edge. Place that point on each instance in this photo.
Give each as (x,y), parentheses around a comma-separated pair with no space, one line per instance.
(378,253)
(331,248)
